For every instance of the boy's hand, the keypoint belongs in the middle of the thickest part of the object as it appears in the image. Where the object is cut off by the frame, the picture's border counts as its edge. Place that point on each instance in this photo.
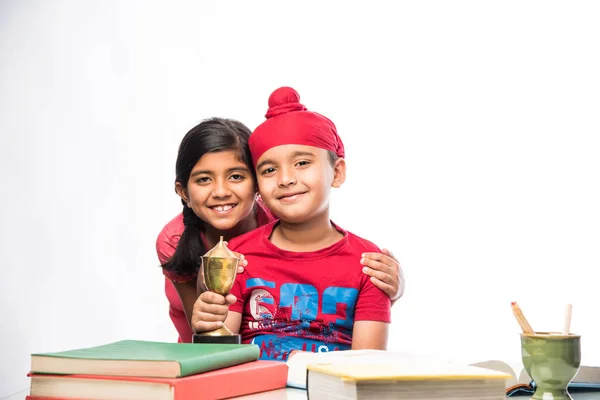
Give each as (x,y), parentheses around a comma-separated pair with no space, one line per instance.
(385,272)
(210,311)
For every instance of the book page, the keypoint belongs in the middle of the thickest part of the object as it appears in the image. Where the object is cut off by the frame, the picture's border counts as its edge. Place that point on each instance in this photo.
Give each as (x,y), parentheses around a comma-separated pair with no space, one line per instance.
(511,368)
(587,374)
(298,362)
(413,370)
(524,377)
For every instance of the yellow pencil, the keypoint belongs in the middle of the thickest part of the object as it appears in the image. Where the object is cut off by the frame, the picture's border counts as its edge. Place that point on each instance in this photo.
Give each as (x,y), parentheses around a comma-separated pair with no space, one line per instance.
(521,318)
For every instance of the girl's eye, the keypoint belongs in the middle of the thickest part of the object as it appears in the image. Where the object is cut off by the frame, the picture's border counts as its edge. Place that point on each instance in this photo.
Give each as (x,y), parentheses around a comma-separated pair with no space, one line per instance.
(237,177)
(203,179)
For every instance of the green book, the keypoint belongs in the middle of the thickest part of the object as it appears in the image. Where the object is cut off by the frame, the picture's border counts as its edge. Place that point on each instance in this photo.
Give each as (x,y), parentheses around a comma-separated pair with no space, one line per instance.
(144,359)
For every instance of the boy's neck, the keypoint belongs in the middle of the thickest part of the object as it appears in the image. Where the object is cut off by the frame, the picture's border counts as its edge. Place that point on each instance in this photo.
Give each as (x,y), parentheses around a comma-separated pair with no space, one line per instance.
(313,235)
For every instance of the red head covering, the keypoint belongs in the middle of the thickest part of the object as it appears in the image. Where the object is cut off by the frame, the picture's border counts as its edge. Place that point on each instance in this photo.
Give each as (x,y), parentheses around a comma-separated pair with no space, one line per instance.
(289,122)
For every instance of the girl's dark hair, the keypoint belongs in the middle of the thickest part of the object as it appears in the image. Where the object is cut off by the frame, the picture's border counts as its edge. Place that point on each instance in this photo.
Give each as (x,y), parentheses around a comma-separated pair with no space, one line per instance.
(211,135)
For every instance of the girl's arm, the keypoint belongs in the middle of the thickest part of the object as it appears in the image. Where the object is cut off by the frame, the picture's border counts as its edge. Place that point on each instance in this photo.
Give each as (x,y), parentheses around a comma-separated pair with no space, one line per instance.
(187,294)
(166,245)
(369,335)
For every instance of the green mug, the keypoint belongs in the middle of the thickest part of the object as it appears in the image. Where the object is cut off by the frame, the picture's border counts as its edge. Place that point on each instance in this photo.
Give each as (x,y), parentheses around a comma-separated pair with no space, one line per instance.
(552,361)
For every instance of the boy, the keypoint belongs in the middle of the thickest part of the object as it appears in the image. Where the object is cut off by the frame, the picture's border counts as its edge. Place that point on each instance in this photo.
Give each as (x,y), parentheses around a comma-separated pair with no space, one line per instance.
(303,288)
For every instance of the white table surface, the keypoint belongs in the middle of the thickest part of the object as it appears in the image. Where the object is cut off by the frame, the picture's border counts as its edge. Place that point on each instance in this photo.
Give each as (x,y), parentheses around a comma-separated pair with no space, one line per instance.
(279,394)
(298,394)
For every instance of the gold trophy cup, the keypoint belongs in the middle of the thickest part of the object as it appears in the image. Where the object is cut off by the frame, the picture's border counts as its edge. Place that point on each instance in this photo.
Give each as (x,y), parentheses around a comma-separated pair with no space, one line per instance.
(218,271)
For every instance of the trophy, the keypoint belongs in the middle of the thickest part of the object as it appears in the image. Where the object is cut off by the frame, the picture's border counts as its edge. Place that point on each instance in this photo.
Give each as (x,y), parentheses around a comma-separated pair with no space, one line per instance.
(218,271)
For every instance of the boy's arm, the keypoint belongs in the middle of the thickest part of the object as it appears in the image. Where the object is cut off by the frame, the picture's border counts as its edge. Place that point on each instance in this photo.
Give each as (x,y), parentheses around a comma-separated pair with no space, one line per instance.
(371,316)
(234,315)
(233,321)
(369,335)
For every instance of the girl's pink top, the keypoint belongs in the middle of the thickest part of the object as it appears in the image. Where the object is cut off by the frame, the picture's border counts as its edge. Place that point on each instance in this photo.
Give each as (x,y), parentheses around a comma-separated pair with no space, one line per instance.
(166,243)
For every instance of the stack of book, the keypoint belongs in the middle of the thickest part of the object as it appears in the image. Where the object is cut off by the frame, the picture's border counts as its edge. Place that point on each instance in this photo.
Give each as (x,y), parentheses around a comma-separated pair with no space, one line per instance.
(143,370)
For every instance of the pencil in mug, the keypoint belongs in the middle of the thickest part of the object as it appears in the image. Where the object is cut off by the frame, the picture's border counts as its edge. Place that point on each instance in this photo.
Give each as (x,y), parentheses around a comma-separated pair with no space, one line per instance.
(567,325)
(521,318)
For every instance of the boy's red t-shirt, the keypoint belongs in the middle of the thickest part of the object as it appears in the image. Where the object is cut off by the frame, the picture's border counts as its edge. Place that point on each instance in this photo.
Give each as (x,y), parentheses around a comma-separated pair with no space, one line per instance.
(304,300)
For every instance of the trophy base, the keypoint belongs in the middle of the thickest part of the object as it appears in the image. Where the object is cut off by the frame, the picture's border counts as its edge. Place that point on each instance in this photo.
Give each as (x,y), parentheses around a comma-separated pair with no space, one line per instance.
(228,339)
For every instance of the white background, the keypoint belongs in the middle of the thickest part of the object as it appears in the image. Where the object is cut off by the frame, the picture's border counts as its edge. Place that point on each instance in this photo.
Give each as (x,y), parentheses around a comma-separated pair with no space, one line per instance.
(471,131)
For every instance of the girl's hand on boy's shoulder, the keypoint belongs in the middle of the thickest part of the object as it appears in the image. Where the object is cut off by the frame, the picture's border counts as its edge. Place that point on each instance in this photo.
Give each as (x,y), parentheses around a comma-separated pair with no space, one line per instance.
(385,272)
(243,262)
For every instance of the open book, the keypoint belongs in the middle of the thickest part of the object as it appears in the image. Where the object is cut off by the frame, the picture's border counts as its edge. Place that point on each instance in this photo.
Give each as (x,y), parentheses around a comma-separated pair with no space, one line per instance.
(587,377)
(518,382)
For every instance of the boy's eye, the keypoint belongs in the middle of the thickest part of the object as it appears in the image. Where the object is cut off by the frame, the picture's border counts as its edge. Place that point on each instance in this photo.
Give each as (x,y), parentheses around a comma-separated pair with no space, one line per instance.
(302,163)
(268,171)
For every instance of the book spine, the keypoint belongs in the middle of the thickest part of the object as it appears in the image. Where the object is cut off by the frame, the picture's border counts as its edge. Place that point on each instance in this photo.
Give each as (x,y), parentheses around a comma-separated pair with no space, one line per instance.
(219,386)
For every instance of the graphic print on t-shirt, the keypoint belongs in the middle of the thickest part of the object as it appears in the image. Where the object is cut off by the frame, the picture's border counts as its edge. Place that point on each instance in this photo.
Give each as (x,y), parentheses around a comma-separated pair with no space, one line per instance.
(262,305)
(296,316)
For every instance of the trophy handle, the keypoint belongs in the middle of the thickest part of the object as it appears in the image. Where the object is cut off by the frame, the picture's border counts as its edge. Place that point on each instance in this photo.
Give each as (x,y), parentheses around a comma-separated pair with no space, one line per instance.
(200,282)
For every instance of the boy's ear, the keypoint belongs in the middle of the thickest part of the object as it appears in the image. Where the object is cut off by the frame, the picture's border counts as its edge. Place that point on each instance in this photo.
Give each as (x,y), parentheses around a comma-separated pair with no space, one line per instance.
(339,173)
(182,192)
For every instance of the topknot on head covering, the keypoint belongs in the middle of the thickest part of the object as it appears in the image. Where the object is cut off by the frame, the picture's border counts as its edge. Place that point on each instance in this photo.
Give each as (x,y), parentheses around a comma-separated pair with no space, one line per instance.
(290,122)
(284,100)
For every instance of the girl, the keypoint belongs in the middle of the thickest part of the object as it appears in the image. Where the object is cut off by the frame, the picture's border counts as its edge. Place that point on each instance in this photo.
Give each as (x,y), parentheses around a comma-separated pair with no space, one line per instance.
(216,182)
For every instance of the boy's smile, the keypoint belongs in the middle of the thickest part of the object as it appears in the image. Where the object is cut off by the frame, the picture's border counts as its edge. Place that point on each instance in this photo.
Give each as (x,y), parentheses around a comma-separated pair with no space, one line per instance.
(290,197)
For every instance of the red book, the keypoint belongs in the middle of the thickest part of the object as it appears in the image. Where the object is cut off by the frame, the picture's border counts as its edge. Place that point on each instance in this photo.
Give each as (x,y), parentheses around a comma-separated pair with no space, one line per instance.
(243,379)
